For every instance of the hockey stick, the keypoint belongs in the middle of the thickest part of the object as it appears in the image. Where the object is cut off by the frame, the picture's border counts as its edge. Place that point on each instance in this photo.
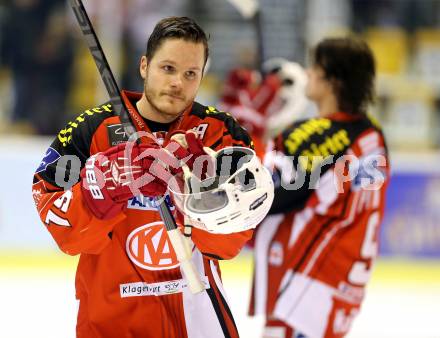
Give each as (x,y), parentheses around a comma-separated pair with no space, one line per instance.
(247,8)
(250,10)
(176,237)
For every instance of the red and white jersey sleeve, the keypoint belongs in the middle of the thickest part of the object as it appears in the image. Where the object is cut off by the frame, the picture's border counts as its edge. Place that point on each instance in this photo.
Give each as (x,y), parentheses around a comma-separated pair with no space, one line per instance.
(57,192)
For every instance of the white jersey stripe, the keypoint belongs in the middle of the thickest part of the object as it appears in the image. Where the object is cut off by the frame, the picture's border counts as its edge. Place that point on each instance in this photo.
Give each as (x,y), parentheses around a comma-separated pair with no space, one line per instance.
(265,233)
(305,305)
(301,219)
(327,192)
(200,317)
(331,233)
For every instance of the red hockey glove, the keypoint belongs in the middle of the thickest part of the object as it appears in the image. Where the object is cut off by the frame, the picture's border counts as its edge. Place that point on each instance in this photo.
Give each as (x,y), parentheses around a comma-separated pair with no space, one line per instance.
(189,149)
(248,98)
(109,179)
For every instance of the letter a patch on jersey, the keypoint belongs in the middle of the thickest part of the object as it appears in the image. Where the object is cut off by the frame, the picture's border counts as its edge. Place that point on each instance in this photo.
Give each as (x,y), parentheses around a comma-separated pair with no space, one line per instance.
(150,248)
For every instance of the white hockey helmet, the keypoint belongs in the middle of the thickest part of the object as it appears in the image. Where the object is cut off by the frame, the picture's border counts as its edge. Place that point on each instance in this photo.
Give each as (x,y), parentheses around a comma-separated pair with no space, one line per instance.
(292,102)
(237,198)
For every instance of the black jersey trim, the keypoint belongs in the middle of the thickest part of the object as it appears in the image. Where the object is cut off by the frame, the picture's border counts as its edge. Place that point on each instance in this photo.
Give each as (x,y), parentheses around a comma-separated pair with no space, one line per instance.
(217,143)
(212,256)
(76,139)
(218,311)
(231,125)
(228,310)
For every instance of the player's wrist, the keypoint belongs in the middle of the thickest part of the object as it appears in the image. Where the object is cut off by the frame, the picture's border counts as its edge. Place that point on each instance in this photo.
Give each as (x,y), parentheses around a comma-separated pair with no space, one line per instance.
(93,189)
(111,178)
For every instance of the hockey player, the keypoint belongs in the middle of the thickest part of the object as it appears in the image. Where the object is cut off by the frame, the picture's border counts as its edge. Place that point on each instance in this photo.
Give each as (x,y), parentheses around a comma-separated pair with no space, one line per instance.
(314,253)
(97,202)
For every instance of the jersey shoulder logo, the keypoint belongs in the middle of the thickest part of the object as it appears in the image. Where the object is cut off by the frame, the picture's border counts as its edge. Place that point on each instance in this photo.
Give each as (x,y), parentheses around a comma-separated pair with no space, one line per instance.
(51,156)
(116,134)
(65,135)
(149,247)
(201,130)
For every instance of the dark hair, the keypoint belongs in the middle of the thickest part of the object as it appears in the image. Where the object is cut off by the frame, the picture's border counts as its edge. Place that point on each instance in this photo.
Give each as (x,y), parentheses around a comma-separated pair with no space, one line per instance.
(176,28)
(349,64)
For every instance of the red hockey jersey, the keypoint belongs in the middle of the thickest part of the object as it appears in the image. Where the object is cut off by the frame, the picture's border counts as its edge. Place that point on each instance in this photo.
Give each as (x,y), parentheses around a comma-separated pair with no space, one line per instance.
(314,253)
(128,280)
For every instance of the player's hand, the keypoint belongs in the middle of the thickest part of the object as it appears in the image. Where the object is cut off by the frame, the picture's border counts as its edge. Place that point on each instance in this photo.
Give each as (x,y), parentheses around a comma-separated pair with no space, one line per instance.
(189,150)
(110,178)
(250,99)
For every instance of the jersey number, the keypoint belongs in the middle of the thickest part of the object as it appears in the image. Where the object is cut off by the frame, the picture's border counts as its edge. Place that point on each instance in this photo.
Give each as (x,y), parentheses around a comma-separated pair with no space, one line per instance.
(361,271)
(61,204)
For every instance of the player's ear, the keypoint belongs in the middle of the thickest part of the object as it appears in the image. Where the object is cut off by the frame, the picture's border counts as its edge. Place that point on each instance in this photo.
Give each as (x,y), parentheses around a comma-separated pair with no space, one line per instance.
(143,67)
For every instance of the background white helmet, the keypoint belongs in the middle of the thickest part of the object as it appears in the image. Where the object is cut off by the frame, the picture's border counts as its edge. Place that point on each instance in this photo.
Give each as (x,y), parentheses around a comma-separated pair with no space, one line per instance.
(237,198)
(292,103)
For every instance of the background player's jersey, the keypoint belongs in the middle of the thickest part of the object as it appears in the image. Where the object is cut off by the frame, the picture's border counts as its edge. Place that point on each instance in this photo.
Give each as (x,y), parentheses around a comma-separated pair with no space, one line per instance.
(128,280)
(315,251)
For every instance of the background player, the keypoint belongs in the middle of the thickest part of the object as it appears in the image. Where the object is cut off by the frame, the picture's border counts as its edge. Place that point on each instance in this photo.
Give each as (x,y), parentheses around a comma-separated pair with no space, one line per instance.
(314,253)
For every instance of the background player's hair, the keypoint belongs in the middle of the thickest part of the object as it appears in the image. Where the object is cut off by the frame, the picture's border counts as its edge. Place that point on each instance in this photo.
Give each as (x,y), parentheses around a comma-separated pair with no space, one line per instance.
(176,27)
(349,64)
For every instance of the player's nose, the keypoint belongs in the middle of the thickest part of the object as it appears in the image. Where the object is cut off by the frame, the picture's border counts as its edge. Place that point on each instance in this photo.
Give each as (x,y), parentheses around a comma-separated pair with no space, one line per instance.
(176,81)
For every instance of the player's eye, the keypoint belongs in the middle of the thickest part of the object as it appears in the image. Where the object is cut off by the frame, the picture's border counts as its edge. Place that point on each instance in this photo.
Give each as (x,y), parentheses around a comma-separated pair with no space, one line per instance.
(168,68)
(190,74)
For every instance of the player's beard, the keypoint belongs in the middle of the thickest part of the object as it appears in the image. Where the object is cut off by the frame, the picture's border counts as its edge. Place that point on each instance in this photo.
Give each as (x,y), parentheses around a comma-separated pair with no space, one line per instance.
(152,96)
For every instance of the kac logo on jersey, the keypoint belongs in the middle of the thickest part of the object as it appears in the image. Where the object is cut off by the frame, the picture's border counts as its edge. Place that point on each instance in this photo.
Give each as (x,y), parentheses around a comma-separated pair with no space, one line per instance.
(149,247)
(51,156)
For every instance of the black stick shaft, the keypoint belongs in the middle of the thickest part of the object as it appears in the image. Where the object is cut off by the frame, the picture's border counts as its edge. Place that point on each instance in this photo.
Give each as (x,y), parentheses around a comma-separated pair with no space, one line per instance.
(113,90)
(257,22)
(102,65)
